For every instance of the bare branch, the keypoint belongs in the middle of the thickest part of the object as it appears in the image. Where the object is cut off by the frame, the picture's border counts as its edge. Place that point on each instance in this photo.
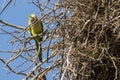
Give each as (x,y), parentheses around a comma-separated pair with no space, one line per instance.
(10,1)
(11,25)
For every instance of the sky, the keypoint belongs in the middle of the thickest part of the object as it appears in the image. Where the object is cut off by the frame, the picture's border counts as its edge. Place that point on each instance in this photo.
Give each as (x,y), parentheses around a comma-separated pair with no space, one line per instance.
(16,13)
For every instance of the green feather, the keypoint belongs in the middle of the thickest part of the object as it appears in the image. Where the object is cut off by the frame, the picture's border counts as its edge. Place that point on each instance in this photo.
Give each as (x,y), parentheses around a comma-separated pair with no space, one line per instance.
(36,27)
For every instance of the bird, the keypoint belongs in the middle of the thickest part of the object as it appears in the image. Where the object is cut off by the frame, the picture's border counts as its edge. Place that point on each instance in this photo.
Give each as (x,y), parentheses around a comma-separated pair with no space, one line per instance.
(35,26)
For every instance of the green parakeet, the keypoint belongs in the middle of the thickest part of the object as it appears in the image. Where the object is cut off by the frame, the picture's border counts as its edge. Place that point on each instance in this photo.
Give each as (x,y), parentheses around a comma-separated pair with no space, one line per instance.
(36,27)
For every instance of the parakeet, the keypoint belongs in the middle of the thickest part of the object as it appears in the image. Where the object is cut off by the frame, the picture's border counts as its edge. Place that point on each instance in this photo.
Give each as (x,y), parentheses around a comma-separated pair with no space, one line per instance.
(35,26)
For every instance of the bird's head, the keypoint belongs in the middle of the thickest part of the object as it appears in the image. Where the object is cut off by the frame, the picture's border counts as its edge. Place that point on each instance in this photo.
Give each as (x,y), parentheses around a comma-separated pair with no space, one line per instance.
(32,19)
(32,16)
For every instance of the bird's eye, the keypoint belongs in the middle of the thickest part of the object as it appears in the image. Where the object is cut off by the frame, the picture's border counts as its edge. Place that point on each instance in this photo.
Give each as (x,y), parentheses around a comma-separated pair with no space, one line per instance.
(33,20)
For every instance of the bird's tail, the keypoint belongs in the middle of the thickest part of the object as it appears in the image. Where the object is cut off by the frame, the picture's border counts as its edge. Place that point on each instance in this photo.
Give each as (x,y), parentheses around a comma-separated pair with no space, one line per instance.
(39,50)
